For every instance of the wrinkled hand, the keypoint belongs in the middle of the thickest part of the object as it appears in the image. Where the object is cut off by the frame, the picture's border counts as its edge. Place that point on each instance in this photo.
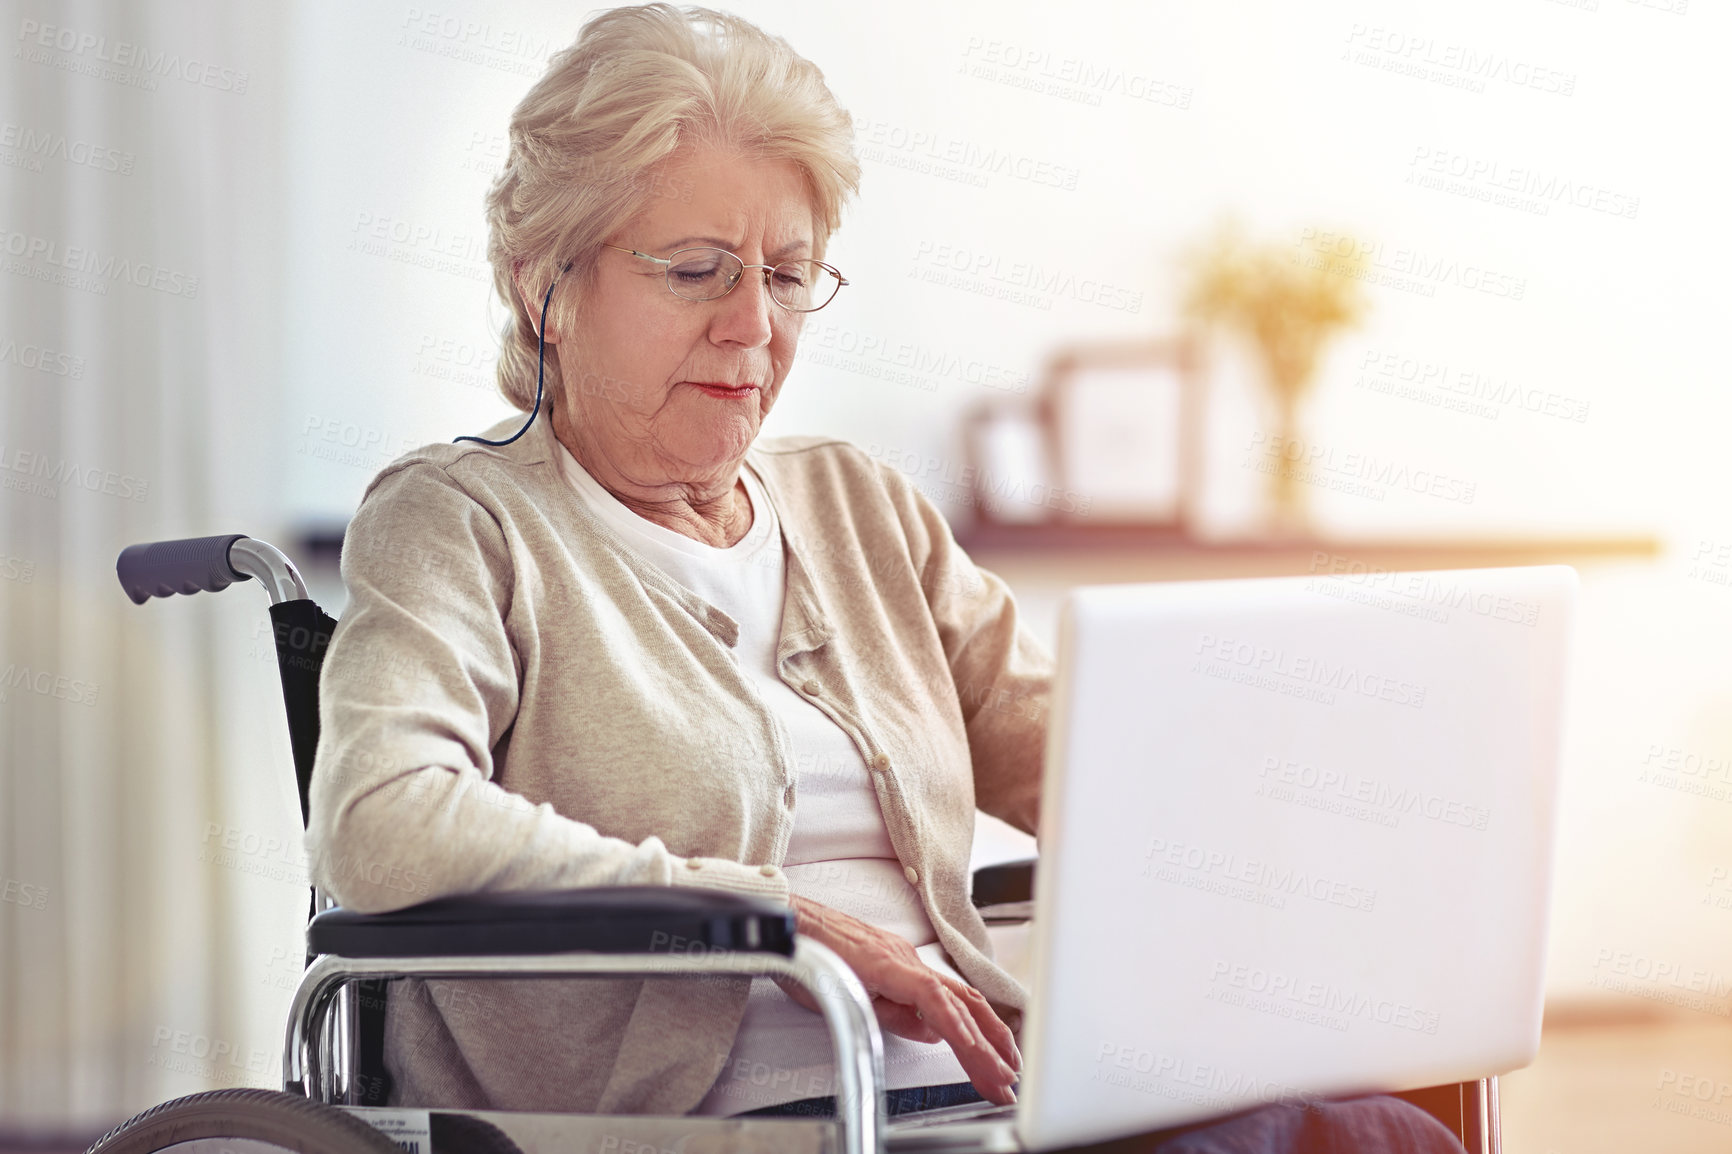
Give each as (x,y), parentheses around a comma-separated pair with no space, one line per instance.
(912,999)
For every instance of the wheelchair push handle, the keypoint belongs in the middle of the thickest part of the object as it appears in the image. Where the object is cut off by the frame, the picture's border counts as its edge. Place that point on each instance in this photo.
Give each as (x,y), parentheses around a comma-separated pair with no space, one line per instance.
(164,568)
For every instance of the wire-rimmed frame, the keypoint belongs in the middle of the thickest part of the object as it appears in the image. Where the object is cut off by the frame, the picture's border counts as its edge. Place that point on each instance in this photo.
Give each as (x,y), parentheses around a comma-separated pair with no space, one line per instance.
(710,292)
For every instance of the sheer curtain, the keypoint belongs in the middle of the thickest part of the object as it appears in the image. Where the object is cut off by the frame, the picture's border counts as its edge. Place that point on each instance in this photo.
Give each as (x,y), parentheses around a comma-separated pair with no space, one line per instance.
(149,842)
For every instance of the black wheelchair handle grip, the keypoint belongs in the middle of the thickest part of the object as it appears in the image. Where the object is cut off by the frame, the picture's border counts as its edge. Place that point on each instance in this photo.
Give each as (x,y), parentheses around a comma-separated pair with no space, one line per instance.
(164,568)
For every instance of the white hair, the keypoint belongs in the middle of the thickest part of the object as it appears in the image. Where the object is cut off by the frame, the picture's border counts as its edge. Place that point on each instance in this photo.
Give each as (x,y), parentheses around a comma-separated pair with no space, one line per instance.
(590,140)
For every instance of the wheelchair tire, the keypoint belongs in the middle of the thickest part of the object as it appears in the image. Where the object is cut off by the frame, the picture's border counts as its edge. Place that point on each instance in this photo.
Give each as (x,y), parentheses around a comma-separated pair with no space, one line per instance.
(286,1120)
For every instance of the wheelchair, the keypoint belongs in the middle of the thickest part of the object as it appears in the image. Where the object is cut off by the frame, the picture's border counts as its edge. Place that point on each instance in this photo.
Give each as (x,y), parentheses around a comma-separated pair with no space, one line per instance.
(334,1081)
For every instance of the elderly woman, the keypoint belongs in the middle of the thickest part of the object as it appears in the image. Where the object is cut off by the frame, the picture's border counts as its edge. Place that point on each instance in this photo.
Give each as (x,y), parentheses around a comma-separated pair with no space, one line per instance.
(635,644)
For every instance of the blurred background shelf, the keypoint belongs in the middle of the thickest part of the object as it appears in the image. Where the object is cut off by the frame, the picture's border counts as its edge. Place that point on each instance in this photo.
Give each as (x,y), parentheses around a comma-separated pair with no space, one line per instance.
(1041,563)
(1079,553)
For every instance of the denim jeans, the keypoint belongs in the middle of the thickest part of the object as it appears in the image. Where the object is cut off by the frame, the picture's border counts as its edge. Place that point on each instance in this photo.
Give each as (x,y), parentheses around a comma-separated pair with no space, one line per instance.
(1375,1123)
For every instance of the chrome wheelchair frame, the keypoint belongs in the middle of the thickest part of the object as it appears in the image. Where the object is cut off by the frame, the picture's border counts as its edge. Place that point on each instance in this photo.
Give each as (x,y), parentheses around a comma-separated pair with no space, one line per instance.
(614,931)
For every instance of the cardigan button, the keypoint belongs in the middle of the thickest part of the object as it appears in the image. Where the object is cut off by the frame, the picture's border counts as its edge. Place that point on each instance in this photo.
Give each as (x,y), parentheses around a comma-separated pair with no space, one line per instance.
(912,874)
(812,688)
(768,871)
(693,863)
(881,761)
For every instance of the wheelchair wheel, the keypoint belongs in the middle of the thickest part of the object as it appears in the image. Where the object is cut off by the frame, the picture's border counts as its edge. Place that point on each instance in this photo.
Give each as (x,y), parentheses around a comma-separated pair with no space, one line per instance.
(270,1117)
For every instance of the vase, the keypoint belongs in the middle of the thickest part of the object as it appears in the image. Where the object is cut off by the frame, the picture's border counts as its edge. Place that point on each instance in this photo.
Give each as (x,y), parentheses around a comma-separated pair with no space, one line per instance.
(1288,510)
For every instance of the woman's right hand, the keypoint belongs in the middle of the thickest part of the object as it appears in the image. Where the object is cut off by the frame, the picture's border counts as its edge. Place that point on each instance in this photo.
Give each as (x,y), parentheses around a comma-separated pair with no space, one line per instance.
(912,999)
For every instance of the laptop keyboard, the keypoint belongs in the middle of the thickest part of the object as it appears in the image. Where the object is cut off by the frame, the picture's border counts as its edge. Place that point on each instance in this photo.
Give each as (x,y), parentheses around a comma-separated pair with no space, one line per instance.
(967,1112)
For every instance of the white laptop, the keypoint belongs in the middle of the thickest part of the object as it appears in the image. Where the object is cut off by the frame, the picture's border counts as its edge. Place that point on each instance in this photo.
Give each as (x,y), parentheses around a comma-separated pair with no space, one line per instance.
(1296,841)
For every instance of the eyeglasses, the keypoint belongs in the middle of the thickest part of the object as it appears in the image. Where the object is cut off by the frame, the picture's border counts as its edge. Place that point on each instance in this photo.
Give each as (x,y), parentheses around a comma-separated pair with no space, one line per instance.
(703,274)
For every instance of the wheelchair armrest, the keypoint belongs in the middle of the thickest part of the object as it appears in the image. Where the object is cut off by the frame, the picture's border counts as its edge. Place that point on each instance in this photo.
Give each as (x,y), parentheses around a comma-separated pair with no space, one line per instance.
(597,919)
(1004,884)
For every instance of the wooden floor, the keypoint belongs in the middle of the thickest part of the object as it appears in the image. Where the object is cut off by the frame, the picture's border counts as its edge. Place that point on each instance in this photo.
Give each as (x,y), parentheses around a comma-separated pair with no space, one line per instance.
(1616,1086)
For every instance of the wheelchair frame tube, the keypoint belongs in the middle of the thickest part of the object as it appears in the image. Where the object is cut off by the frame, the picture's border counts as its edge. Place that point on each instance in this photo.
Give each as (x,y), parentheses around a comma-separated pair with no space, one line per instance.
(846,1007)
(266,564)
(1490,1125)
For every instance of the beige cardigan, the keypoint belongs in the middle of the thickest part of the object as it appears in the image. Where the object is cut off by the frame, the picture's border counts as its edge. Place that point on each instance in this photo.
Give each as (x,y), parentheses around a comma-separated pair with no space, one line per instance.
(515,700)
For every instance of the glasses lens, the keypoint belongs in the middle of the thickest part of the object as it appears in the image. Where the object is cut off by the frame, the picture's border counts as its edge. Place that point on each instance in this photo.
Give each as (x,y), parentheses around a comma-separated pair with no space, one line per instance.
(803,285)
(702,274)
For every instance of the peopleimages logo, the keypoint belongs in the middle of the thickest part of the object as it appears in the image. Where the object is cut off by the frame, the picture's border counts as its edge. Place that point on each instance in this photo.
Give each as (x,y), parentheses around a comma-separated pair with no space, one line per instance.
(1281,777)
(1171,1076)
(24,894)
(1001,486)
(1256,880)
(1460,389)
(123,54)
(1661,980)
(1358,473)
(1038,69)
(42,360)
(76,259)
(973,163)
(212,1059)
(1401,267)
(1455,64)
(60,471)
(902,362)
(474,42)
(1019,281)
(45,684)
(1489,176)
(1418,594)
(1317,671)
(58,146)
(1274,991)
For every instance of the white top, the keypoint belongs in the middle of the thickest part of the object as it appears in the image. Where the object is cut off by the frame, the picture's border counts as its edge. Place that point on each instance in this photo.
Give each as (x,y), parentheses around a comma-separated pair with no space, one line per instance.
(839,853)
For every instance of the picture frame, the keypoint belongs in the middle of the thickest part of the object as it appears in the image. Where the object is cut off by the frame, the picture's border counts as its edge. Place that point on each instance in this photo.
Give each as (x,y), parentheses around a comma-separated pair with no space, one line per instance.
(1111,437)
(1009,453)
